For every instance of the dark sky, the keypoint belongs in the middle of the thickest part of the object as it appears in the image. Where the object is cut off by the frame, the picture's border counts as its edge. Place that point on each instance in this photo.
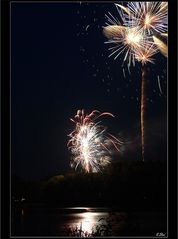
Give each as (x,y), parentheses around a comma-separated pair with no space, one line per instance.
(59,63)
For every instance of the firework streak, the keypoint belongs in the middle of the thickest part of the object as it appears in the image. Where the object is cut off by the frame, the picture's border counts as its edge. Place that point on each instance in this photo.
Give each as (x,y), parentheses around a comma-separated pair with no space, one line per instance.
(89,143)
(143,112)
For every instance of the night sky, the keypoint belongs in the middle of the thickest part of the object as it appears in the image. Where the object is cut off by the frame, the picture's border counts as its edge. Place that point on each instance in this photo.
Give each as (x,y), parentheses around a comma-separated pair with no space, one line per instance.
(59,64)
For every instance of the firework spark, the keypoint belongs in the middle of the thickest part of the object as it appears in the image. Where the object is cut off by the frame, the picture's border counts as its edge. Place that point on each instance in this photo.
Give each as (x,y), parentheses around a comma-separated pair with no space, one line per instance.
(113,31)
(161,46)
(159,85)
(89,143)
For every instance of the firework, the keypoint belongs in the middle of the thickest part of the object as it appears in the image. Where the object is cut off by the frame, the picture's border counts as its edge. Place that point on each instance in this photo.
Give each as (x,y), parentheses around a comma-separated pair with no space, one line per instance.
(137,30)
(126,41)
(89,143)
(136,37)
(126,38)
(145,54)
(150,16)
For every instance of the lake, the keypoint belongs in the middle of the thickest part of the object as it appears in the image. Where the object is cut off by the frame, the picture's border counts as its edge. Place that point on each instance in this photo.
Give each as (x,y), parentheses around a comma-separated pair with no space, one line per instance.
(85,222)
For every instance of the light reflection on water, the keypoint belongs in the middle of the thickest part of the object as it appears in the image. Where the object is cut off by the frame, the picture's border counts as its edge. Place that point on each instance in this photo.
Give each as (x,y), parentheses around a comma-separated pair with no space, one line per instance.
(88,221)
(85,221)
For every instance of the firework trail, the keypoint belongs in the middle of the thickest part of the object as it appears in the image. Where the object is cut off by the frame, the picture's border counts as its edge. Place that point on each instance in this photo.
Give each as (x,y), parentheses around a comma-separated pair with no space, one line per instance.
(136,37)
(161,45)
(89,143)
(143,112)
(159,85)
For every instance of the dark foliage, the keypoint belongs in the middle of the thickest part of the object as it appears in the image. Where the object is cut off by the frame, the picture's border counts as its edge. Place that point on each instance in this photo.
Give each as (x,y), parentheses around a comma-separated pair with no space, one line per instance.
(129,185)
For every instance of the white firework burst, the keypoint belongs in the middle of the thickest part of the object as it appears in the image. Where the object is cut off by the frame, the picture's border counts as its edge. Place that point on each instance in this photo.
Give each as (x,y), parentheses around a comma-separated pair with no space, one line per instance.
(150,16)
(90,144)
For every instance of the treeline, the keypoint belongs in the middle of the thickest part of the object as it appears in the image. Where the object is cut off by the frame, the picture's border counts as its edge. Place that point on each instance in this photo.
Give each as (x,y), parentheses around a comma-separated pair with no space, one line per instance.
(129,185)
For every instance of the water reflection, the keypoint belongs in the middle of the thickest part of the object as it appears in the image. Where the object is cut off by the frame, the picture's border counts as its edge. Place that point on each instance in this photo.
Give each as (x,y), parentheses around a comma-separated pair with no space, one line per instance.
(82,222)
(88,221)
(22,216)
(85,223)
(22,212)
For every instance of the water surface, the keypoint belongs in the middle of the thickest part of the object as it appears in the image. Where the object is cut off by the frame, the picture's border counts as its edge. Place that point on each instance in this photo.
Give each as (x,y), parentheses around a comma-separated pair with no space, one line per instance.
(82,221)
